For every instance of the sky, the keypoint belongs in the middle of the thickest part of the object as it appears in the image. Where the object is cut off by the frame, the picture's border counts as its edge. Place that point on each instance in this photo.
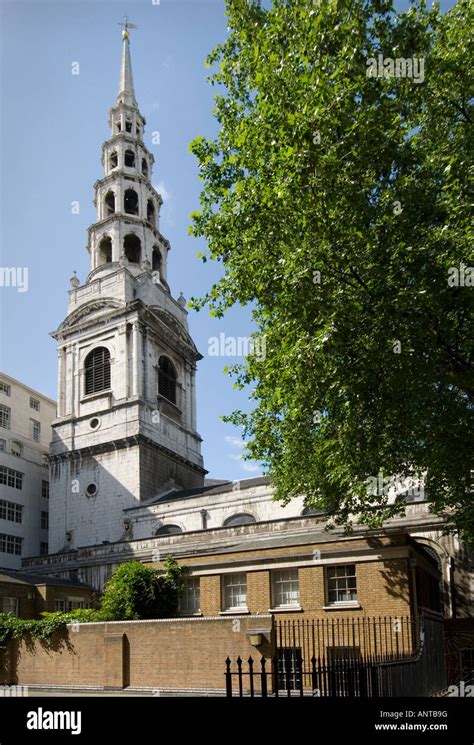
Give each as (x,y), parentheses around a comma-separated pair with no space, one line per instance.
(52,126)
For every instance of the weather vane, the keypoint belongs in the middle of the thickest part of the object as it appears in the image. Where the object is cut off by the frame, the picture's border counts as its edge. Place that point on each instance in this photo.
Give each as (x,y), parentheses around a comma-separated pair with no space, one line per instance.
(126,25)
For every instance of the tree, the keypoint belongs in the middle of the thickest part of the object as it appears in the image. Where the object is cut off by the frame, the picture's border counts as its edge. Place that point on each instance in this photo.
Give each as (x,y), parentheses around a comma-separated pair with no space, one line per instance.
(336,197)
(136,591)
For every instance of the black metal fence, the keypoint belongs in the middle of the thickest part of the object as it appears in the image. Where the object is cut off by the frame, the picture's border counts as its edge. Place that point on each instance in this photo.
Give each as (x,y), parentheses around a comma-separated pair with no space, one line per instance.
(348,674)
(368,638)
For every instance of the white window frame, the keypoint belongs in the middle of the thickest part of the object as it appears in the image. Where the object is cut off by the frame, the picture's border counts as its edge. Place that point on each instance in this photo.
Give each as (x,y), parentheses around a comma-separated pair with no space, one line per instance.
(35,430)
(16,448)
(60,605)
(338,576)
(5,417)
(34,403)
(229,582)
(3,445)
(15,603)
(5,388)
(190,600)
(285,583)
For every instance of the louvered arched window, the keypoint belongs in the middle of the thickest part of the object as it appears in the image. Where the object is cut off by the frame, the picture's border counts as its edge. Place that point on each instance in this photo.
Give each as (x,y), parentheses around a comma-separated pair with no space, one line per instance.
(97,370)
(167,379)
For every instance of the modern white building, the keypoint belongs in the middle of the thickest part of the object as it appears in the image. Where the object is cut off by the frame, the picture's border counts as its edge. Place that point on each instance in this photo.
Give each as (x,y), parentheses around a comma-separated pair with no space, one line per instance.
(25,435)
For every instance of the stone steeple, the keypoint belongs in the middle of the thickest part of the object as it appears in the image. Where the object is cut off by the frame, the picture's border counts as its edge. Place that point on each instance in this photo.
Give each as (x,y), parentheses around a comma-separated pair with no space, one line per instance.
(128,206)
(126,92)
(126,425)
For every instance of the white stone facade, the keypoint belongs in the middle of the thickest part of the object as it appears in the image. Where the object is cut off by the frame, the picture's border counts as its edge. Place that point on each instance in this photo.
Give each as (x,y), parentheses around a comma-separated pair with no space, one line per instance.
(121,442)
(21,454)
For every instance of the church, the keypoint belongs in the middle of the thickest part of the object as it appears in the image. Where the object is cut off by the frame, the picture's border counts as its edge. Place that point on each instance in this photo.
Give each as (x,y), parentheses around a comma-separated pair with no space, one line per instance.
(127,478)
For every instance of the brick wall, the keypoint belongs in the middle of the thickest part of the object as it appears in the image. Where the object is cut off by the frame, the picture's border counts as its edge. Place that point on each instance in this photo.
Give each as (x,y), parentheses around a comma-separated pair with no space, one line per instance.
(177,653)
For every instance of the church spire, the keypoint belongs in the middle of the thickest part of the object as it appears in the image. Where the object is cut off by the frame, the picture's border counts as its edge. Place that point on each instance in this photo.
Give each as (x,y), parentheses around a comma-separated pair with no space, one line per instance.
(126,92)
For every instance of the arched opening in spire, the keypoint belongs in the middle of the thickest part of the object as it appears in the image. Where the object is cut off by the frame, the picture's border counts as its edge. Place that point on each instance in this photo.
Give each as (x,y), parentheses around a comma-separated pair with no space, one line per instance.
(167,379)
(113,160)
(128,125)
(109,203)
(144,167)
(132,248)
(156,260)
(129,158)
(150,212)
(118,126)
(130,202)
(105,250)
(97,371)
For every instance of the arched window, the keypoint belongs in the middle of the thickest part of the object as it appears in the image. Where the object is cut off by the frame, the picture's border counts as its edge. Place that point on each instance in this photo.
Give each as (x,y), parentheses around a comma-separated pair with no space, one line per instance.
(113,160)
(132,248)
(105,250)
(156,259)
(128,125)
(144,167)
(109,203)
(168,530)
(150,212)
(312,511)
(16,448)
(129,158)
(130,202)
(118,126)
(167,379)
(97,370)
(241,518)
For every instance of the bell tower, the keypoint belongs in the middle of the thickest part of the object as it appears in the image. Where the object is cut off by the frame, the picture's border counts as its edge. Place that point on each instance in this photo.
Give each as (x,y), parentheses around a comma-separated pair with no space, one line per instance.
(126,421)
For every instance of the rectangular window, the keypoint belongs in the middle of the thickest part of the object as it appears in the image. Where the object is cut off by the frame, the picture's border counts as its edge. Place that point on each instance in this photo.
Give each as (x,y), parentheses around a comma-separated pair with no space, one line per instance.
(3,445)
(11,511)
(34,403)
(290,666)
(9,605)
(341,584)
(43,548)
(5,417)
(44,520)
(35,430)
(10,477)
(10,544)
(60,606)
(234,587)
(45,489)
(5,388)
(285,588)
(75,604)
(190,600)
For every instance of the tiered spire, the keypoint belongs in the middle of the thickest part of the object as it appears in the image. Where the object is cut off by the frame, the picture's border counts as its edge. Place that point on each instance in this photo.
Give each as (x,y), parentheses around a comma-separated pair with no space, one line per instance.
(126,92)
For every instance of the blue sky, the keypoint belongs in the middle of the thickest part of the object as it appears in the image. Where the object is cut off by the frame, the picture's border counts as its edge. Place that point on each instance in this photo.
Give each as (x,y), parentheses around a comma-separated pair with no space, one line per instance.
(53,124)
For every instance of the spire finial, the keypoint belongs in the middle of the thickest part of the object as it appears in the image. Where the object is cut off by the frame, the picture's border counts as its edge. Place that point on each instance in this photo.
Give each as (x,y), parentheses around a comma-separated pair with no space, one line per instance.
(126,25)
(126,92)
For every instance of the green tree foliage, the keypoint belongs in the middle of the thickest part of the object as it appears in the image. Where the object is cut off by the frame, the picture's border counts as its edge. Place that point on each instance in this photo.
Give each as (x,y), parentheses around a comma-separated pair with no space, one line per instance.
(337,202)
(134,591)
(137,591)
